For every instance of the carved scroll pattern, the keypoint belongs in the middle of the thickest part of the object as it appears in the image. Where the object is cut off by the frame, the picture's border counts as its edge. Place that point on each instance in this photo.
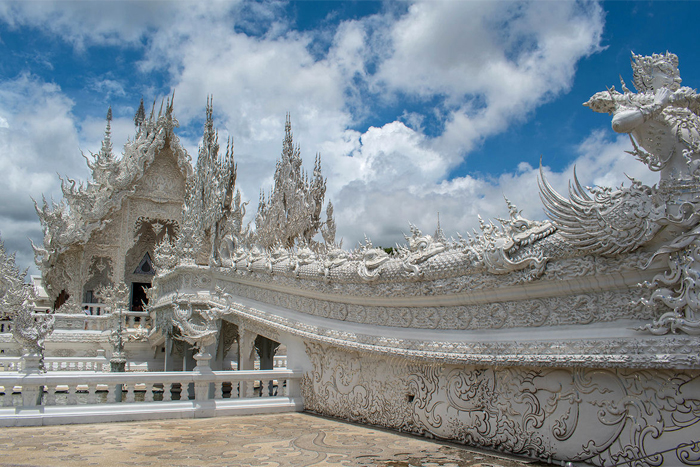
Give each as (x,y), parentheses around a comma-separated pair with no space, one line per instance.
(602,417)
(577,309)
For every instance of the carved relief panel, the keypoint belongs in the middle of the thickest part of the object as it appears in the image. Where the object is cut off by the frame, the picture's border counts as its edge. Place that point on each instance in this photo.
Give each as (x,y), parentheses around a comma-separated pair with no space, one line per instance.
(100,273)
(601,417)
(163,180)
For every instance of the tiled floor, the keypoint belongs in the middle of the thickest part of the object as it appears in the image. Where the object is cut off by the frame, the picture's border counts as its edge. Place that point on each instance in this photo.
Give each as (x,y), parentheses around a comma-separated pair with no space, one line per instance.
(294,439)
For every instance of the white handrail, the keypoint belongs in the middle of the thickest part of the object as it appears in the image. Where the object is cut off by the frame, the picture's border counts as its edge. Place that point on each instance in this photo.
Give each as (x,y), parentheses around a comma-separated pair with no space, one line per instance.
(11,363)
(32,398)
(103,322)
(279,361)
(99,363)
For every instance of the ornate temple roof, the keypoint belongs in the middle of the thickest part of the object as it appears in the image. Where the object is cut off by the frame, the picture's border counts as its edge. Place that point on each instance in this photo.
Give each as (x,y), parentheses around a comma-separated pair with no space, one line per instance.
(86,207)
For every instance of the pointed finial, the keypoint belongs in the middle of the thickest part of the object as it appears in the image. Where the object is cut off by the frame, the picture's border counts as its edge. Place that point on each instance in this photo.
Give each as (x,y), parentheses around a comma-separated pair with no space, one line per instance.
(439,234)
(105,153)
(288,126)
(140,115)
(210,108)
(512,208)
(625,89)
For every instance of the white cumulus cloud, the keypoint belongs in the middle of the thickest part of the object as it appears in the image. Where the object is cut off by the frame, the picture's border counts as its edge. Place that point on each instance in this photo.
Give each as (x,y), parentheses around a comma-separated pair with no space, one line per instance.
(481,66)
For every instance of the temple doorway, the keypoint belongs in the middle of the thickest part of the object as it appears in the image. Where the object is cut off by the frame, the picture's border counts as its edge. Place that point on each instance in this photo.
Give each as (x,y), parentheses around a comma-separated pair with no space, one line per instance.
(138,295)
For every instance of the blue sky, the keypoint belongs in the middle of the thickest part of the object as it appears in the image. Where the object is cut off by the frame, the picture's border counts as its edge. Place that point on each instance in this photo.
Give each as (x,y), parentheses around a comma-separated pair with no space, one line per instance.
(414,107)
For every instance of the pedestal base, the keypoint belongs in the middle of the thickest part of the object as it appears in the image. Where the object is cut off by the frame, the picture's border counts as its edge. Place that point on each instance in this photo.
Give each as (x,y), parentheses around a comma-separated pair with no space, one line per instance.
(117,364)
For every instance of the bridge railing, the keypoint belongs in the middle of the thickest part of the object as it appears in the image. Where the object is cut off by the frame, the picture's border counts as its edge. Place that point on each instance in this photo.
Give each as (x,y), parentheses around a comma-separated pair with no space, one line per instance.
(10,363)
(280,361)
(66,397)
(98,364)
(94,309)
(102,322)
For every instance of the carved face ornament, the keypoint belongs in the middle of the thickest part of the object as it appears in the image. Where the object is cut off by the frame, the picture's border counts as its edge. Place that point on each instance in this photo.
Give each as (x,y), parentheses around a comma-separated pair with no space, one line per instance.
(374,257)
(651,73)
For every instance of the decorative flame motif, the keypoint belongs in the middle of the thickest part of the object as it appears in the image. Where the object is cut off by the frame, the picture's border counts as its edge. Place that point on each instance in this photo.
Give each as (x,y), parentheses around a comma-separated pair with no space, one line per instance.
(291,214)
(607,223)
(211,209)
(16,303)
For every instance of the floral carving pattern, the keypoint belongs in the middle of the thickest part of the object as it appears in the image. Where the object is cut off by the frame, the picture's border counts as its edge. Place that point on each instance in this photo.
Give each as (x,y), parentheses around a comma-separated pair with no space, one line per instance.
(602,417)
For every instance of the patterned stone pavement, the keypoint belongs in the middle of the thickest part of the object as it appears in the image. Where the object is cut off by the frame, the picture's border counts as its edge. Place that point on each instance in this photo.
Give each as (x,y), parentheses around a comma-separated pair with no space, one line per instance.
(294,439)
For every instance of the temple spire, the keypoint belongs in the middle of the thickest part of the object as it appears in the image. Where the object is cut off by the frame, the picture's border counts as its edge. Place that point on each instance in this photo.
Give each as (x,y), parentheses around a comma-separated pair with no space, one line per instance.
(439,233)
(105,153)
(140,115)
(291,213)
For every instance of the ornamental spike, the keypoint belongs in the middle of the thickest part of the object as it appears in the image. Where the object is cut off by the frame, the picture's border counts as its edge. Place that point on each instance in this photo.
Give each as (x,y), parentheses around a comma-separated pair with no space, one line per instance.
(140,115)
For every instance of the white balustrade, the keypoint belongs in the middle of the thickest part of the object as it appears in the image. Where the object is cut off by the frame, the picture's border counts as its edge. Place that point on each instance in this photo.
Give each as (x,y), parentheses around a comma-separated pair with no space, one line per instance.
(10,363)
(278,362)
(67,396)
(135,319)
(94,309)
(102,322)
(97,364)
(83,322)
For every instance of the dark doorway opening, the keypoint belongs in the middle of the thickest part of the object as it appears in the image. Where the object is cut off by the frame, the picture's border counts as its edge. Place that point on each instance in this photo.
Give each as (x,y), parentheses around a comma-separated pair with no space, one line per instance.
(60,300)
(138,295)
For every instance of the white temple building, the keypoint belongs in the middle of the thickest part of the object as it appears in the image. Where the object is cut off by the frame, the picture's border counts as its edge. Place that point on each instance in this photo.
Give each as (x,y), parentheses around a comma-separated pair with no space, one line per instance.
(570,340)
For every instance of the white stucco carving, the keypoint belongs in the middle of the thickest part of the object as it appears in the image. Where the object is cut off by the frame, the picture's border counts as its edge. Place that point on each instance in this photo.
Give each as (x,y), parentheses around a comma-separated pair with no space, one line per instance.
(144,184)
(663,122)
(16,304)
(291,213)
(531,337)
(602,417)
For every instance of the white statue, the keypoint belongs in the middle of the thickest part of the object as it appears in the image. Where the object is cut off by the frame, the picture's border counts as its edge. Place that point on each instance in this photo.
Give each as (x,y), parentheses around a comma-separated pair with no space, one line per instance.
(663,120)
(662,117)
(16,303)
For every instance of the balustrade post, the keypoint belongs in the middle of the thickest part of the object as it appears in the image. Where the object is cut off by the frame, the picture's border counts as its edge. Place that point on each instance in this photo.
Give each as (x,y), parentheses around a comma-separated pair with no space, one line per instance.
(31,394)
(117,391)
(202,389)
(7,398)
(100,365)
(130,395)
(72,394)
(51,395)
(32,364)
(293,388)
(92,396)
